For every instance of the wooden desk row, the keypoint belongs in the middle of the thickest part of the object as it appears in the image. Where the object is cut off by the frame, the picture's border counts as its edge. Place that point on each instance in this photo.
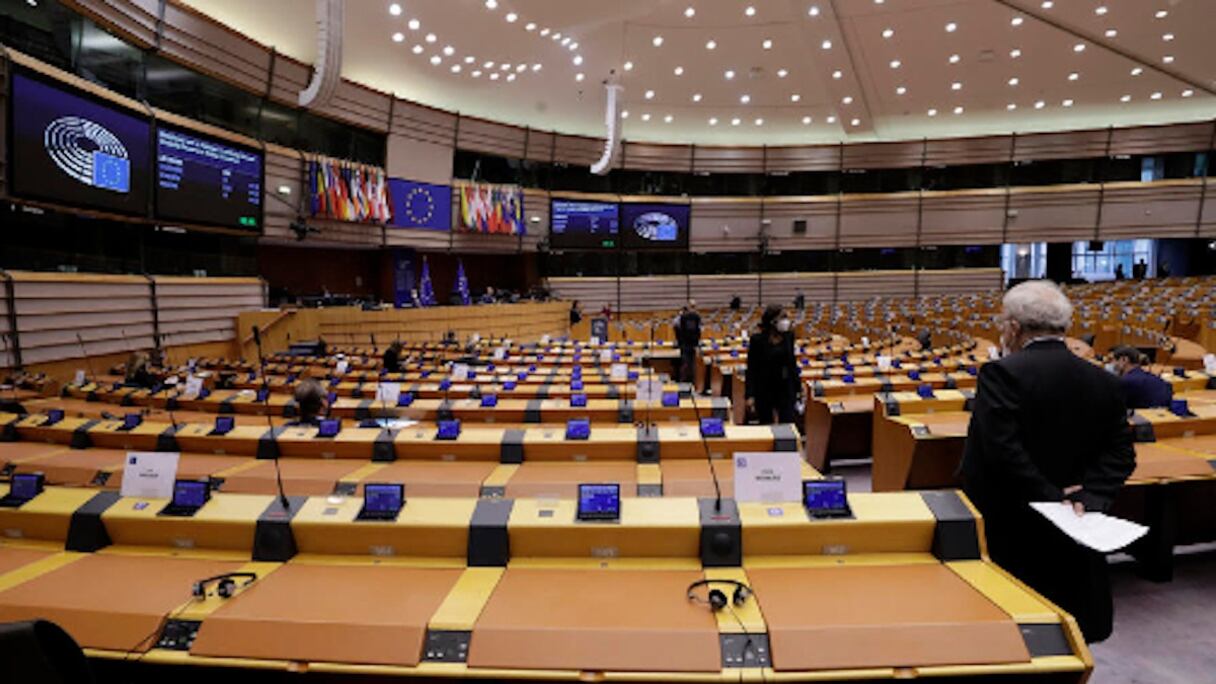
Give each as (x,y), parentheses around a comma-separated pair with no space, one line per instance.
(507,589)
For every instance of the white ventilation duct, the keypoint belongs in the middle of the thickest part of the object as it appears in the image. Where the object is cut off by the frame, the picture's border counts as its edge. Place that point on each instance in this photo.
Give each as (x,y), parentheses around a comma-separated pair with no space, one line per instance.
(327,71)
(612,121)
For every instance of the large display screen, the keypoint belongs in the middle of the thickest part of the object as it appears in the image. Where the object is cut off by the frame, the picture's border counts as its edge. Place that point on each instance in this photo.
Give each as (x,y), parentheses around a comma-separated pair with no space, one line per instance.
(575,224)
(69,148)
(654,226)
(200,179)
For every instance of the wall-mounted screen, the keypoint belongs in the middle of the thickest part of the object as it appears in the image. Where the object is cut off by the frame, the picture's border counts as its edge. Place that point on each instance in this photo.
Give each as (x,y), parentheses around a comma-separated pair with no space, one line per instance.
(654,226)
(576,224)
(201,179)
(69,148)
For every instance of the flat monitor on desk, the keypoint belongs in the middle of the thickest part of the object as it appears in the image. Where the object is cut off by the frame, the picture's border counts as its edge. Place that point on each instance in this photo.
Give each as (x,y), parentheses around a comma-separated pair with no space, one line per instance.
(188,497)
(22,488)
(827,498)
(599,502)
(382,501)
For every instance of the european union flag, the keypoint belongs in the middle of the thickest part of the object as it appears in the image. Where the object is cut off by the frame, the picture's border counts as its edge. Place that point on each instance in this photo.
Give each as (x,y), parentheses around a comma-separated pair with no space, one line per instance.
(420,205)
(111,173)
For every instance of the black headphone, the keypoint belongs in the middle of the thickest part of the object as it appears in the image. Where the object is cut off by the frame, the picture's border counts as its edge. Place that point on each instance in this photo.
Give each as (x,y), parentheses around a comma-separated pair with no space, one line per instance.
(716,598)
(226,584)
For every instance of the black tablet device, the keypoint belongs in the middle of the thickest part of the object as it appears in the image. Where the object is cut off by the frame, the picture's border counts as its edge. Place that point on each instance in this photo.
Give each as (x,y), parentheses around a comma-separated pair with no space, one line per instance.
(223,425)
(188,497)
(826,498)
(382,501)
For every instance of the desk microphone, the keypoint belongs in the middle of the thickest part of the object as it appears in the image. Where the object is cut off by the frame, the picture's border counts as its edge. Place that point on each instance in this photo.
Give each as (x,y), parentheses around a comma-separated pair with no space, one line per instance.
(87,361)
(169,401)
(278,473)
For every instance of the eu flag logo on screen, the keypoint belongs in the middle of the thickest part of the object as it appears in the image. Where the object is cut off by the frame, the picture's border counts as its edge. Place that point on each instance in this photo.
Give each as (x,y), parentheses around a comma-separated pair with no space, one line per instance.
(111,173)
(420,205)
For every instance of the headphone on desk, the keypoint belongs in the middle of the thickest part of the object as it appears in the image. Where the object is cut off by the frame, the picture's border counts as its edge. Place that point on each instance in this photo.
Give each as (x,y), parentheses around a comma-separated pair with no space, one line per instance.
(716,598)
(226,584)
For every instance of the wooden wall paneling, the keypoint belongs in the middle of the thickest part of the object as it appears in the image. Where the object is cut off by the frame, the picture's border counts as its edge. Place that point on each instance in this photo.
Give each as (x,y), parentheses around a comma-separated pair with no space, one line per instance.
(8,356)
(725,224)
(112,314)
(710,159)
(479,135)
(970,217)
(792,158)
(135,20)
(525,321)
(959,281)
(1182,137)
(540,146)
(592,293)
(284,168)
(657,157)
(960,151)
(820,215)
(199,310)
(577,150)
(358,105)
(1150,210)
(197,40)
(878,220)
(781,288)
(883,155)
(864,285)
(424,124)
(716,291)
(651,293)
(1062,145)
(1056,214)
(289,78)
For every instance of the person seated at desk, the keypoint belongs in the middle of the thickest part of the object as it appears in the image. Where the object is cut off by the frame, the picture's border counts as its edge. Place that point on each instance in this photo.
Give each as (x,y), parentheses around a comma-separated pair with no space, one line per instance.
(392,357)
(137,374)
(488,297)
(1141,389)
(310,404)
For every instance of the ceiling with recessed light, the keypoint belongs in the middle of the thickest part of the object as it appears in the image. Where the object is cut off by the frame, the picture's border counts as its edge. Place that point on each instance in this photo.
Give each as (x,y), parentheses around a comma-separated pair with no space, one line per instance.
(773,71)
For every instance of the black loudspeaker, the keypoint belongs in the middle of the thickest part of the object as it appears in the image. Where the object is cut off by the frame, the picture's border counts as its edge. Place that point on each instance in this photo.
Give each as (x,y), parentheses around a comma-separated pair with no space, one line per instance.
(40,651)
(1097,245)
(799,227)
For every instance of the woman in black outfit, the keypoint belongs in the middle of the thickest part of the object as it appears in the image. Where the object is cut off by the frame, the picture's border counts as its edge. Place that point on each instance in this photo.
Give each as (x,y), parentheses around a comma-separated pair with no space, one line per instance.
(773,380)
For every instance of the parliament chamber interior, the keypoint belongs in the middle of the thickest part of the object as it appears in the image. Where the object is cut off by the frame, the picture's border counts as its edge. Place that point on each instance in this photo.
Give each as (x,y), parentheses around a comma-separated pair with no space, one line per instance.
(530,340)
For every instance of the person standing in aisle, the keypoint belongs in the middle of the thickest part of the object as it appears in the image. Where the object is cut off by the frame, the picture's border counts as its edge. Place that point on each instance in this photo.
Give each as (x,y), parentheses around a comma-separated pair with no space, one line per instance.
(773,385)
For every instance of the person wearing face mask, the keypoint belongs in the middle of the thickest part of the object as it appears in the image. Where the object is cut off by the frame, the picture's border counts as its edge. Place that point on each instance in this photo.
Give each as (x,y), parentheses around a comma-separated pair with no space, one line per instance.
(773,382)
(1141,389)
(1046,426)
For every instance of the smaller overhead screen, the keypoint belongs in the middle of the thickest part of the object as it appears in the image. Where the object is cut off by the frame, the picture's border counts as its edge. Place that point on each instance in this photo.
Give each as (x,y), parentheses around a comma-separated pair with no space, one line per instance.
(72,148)
(576,224)
(654,226)
(201,179)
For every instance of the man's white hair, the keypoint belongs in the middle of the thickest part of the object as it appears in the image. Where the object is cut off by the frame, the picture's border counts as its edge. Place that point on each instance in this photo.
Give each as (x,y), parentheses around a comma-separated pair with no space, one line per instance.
(1039,306)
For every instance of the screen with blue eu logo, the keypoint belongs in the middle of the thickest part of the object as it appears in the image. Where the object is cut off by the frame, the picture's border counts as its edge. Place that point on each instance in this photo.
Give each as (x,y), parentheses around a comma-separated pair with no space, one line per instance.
(26,486)
(71,148)
(825,498)
(654,226)
(599,502)
(712,427)
(224,424)
(190,493)
(329,427)
(383,497)
(448,429)
(578,428)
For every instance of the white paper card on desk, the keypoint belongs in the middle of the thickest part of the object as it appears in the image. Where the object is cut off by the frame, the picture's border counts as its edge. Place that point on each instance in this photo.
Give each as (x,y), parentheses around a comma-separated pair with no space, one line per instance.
(605,356)
(994,353)
(1209,364)
(544,340)
(460,372)
(388,392)
(340,368)
(768,477)
(194,385)
(500,354)
(149,474)
(648,390)
(1097,531)
(883,362)
(620,371)
(79,379)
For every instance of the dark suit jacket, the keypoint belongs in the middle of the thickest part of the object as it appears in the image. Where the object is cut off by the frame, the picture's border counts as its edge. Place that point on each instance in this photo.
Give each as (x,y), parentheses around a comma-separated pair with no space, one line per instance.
(1142,389)
(1043,420)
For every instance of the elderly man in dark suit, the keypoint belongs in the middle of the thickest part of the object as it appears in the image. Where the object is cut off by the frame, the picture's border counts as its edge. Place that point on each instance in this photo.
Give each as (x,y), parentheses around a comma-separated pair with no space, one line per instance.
(1046,426)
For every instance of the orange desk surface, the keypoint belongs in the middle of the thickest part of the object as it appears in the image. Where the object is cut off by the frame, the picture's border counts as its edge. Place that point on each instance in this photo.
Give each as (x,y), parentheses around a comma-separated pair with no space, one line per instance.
(352,614)
(109,601)
(434,478)
(76,468)
(301,476)
(622,620)
(13,557)
(561,480)
(879,616)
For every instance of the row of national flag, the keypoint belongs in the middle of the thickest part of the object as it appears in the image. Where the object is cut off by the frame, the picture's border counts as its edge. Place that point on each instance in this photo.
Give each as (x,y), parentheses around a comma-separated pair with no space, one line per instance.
(345,191)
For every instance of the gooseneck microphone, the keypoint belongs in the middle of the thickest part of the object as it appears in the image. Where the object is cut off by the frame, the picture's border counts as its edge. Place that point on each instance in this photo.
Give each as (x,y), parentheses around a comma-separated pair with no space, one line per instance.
(278,472)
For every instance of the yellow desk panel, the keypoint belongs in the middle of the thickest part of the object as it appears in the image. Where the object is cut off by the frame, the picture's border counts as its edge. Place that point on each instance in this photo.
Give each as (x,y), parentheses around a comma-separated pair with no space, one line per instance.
(649,527)
(225,522)
(897,522)
(426,527)
(46,517)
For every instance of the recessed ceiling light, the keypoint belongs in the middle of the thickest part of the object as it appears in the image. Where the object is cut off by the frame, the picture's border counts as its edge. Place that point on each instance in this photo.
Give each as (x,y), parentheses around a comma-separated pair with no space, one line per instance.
(566,40)
(1167,37)
(1067,103)
(900,90)
(729,74)
(530,26)
(1015,53)
(951,27)
(895,64)
(826,45)
(1161,14)
(414,24)
(536,67)
(449,50)
(711,44)
(782,73)
(696,97)
(1168,59)
(628,66)
(958,109)
(491,4)
(488,65)
(580,76)
(1137,71)
(1126,98)
(1013,81)
(510,77)
(690,12)
(521,68)
(847,99)
(956,86)
(750,11)
(1079,47)
(656,41)
(1074,76)
(469,59)
(1011,106)
(398,37)
(1111,33)
(678,71)
(578,59)
(1048,4)
(759,122)
(512,17)
(1155,96)
(477,73)
(838,74)
(887,33)
(744,99)
(1100,10)
(649,94)
(767,44)
(932,112)
(645,117)
(417,49)
(1188,93)
(668,118)
(1016,21)
(625,114)
(813,11)
(832,119)
(734,122)
(795,97)
(504,67)
(573,46)
(1040,104)
(430,38)
(856,122)
(544,31)
(494,76)
(954,59)
(806,120)
(394,9)
(436,59)
(713,121)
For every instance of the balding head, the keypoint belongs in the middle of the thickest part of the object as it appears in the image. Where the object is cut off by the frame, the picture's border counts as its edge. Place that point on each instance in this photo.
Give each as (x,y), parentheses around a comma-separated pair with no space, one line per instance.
(1032,309)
